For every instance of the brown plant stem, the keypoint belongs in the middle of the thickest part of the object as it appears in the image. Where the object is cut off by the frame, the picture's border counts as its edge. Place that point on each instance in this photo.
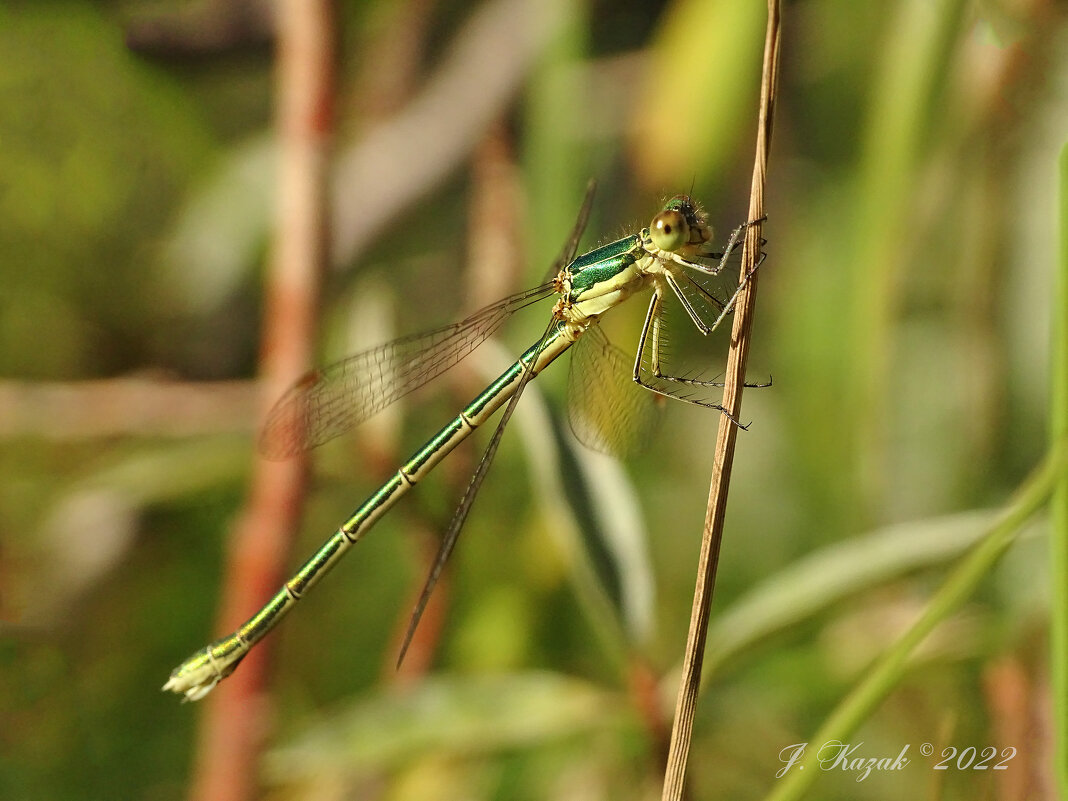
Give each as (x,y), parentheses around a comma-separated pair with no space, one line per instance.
(689,684)
(237,716)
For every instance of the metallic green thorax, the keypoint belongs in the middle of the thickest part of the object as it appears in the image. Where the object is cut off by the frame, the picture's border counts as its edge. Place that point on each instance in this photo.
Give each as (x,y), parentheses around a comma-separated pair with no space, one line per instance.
(602,264)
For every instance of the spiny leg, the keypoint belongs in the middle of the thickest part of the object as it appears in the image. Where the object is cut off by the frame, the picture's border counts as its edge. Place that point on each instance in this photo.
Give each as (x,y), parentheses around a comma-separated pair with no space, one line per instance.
(728,307)
(702,326)
(654,311)
(652,321)
(724,308)
(695,382)
(734,298)
(656,326)
(654,354)
(733,242)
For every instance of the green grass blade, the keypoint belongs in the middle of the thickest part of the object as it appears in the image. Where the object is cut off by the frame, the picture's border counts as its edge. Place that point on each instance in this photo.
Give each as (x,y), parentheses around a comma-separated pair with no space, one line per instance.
(1059,512)
(835,573)
(885,674)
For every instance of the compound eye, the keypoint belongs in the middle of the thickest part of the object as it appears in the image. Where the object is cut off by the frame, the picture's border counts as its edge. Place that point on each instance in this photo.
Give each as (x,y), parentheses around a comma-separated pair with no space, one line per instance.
(669,230)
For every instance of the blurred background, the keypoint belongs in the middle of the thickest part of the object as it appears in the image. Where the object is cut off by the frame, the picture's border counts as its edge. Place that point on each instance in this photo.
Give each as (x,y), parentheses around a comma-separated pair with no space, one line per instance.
(903,314)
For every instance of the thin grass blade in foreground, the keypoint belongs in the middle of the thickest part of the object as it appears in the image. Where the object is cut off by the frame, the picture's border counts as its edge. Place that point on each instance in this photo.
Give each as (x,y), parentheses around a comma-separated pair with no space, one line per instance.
(1059,511)
(689,685)
(885,674)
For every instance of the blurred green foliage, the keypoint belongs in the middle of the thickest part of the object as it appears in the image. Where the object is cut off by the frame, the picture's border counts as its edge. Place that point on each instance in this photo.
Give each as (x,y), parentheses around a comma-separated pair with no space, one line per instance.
(903,312)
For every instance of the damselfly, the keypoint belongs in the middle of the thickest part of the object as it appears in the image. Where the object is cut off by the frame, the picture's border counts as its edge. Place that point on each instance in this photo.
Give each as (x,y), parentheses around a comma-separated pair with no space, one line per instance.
(670,257)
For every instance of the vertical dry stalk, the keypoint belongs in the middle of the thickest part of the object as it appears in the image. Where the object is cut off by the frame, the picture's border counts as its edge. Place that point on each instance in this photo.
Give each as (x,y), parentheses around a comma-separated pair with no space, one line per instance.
(686,705)
(235,718)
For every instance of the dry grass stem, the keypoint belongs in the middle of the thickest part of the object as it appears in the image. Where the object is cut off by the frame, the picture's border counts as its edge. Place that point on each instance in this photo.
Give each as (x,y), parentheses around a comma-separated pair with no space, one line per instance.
(686,705)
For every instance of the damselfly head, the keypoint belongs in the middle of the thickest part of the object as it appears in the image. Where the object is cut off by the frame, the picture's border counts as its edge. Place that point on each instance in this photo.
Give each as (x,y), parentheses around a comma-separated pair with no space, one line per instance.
(681,223)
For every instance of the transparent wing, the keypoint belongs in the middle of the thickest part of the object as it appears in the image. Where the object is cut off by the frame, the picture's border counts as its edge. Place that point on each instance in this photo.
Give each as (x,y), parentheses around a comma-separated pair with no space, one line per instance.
(452,534)
(571,246)
(607,411)
(448,542)
(326,403)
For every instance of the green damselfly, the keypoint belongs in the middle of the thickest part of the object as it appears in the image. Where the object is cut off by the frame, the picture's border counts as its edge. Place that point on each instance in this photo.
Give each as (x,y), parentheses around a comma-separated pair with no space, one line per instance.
(670,257)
